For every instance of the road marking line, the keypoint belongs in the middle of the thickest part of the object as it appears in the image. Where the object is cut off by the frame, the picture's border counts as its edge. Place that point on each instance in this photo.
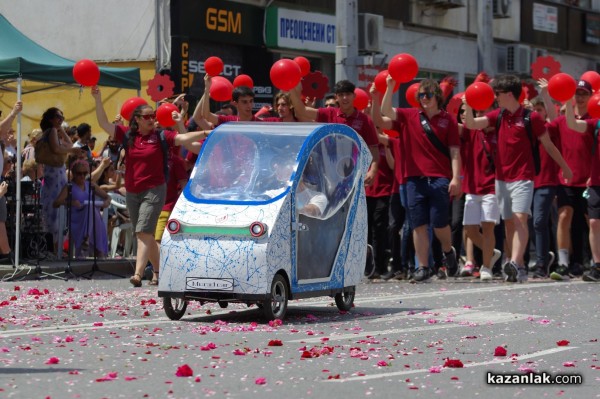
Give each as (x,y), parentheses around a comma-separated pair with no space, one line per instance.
(462,320)
(486,363)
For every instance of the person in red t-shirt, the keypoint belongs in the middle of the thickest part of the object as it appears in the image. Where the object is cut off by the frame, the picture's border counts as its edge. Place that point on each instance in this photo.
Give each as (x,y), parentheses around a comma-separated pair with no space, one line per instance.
(481,204)
(346,114)
(432,177)
(572,207)
(144,174)
(515,169)
(378,204)
(589,127)
(242,98)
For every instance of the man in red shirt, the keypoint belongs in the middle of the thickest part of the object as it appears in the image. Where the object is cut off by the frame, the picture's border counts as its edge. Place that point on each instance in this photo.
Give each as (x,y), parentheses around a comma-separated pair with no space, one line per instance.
(589,127)
(572,207)
(243,100)
(515,168)
(432,176)
(346,114)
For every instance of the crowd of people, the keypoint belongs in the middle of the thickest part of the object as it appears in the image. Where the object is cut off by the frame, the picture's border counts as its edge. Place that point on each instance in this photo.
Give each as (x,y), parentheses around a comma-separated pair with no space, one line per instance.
(447,195)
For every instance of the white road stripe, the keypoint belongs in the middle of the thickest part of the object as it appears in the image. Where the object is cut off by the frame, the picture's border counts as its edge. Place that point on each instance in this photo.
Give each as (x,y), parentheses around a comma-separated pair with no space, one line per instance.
(460,320)
(488,362)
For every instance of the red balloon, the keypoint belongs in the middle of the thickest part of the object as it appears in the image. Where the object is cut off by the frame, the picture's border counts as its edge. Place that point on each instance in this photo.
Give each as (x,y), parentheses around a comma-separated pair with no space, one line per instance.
(285,74)
(562,87)
(403,68)
(593,107)
(480,96)
(130,105)
(213,66)
(593,78)
(243,80)
(86,73)
(164,114)
(361,99)
(381,84)
(304,65)
(411,95)
(220,89)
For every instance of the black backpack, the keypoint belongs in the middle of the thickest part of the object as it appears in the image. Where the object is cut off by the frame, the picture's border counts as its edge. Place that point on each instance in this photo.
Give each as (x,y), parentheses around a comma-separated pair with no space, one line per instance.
(163,145)
(534,145)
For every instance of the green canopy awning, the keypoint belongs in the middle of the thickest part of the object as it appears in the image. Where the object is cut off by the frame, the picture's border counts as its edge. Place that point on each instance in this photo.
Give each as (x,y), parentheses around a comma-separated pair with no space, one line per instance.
(22,57)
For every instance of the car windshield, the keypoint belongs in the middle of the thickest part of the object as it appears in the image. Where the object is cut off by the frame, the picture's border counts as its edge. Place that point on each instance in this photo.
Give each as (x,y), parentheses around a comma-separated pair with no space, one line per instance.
(248,162)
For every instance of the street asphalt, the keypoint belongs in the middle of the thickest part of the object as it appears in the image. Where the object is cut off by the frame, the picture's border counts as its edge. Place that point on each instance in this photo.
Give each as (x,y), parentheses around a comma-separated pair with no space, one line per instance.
(104,339)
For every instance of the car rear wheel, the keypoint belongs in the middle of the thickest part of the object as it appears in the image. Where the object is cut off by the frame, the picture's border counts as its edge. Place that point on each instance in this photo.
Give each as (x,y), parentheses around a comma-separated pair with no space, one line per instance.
(344,300)
(276,306)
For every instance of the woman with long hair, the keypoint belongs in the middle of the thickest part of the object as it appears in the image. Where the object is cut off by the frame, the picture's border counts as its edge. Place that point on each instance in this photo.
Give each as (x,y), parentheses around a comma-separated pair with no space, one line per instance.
(55,177)
(145,180)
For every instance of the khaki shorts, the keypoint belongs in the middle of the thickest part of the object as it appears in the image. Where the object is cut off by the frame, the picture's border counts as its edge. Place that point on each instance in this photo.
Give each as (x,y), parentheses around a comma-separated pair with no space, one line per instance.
(145,207)
(160,226)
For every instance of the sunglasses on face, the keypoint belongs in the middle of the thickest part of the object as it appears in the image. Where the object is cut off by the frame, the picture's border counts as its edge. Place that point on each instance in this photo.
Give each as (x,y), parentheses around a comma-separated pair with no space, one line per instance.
(148,116)
(426,95)
(498,92)
(80,173)
(61,117)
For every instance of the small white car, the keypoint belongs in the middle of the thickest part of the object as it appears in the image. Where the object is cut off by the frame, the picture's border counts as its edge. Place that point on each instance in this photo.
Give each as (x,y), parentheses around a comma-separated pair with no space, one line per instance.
(272,212)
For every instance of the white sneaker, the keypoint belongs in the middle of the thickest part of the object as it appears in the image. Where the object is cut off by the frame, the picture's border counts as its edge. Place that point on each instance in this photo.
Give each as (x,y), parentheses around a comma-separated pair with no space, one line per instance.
(495,257)
(485,274)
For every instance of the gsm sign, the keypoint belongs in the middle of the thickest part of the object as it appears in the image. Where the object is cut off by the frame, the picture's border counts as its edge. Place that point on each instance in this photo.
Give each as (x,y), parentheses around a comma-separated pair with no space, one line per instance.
(224,20)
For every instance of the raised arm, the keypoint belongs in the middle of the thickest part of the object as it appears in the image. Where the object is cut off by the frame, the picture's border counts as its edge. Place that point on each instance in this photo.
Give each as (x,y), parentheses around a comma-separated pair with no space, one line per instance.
(302,112)
(386,104)
(202,110)
(6,122)
(103,121)
(471,122)
(545,96)
(382,122)
(578,125)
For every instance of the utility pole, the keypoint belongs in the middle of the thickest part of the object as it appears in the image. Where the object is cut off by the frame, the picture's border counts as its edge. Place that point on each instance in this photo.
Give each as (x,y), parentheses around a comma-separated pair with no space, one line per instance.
(485,37)
(346,50)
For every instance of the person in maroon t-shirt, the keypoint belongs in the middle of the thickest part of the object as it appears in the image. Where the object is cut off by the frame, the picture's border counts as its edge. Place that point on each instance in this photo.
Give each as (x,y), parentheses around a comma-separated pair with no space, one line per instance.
(572,207)
(346,114)
(378,204)
(481,204)
(242,98)
(589,127)
(432,177)
(515,169)
(144,175)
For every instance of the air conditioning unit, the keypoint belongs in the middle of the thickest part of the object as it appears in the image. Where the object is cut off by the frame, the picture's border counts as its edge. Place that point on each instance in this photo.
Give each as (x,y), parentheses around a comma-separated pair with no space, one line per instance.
(518,59)
(370,33)
(444,3)
(501,8)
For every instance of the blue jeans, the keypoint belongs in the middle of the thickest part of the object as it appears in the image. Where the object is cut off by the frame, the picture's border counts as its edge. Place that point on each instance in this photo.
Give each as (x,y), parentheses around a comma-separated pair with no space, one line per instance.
(542,207)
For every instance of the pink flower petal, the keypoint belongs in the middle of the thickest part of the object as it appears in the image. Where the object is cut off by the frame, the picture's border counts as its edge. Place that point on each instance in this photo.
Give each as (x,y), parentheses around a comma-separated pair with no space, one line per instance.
(184,371)
(260,381)
(53,360)
(500,351)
